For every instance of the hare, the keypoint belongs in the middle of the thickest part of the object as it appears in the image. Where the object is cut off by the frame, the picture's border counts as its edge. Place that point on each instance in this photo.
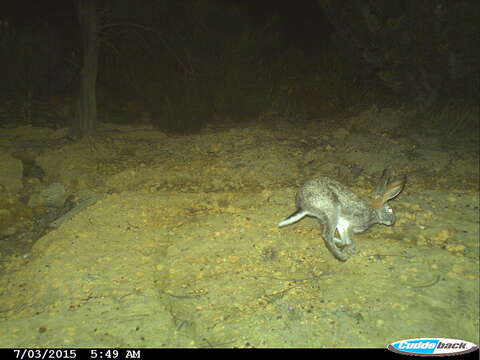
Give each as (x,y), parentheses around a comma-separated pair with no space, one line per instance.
(337,208)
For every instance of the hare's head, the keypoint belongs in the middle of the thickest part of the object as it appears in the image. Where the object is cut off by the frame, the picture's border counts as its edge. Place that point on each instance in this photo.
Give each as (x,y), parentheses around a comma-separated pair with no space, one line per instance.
(386,191)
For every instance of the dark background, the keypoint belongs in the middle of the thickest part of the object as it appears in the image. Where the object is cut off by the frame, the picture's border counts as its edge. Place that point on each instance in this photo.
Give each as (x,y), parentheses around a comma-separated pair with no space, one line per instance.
(188,63)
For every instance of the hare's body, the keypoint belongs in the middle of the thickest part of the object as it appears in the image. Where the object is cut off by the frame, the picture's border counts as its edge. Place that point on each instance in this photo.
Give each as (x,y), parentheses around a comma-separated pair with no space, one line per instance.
(337,208)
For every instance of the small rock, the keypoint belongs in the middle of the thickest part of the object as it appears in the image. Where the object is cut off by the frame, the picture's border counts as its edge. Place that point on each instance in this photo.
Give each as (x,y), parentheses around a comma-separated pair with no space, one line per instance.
(456,249)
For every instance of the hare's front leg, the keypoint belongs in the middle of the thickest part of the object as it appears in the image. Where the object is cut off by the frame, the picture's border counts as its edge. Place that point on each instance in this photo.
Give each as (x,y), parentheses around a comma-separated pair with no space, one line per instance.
(331,241)
(345,232)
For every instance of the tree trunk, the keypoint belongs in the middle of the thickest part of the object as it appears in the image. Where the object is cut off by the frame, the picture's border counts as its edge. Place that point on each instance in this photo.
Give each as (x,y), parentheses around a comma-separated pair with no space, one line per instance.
(84,122)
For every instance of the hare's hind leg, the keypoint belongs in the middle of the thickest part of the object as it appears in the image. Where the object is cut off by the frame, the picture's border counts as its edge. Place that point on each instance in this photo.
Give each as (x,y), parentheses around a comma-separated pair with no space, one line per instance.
(331,241)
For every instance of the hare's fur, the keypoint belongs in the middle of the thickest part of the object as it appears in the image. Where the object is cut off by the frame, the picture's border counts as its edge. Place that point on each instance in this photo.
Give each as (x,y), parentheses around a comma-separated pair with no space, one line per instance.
(337,208)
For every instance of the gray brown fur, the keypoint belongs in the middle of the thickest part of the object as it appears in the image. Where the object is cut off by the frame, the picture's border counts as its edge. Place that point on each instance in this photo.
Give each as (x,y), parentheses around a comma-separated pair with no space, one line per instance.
(337,208)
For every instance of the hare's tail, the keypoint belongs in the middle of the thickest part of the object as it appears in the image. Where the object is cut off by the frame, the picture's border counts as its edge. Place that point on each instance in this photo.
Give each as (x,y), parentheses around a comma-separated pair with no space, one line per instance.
(297,215)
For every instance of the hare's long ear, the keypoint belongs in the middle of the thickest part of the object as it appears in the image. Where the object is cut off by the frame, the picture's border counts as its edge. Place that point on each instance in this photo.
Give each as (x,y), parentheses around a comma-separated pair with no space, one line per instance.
(383,182)
(388,190)
(394,188)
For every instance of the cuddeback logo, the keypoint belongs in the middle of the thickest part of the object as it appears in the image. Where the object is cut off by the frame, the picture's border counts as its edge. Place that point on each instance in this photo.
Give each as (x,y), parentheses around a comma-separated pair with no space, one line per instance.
(432,347)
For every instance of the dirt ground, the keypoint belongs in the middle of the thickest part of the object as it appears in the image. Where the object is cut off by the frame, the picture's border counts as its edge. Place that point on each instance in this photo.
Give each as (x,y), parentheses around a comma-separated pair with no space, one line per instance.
(182,248)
